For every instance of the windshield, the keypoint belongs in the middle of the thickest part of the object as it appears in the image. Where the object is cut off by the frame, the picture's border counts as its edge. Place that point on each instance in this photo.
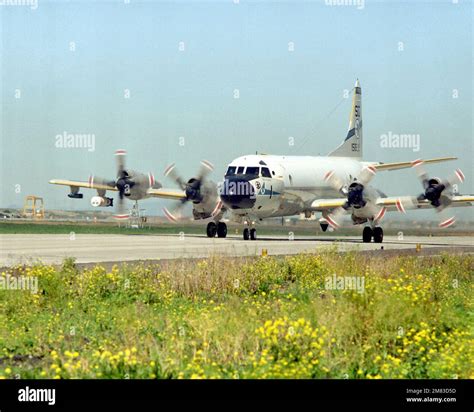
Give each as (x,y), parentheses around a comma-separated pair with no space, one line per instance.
(252,171)
(230,171)
(266,172)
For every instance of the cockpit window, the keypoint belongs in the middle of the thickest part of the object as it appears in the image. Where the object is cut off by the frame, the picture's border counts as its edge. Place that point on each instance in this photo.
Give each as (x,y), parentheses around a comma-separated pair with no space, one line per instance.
(266,172)
(240,170)
(231,171)
(252,171)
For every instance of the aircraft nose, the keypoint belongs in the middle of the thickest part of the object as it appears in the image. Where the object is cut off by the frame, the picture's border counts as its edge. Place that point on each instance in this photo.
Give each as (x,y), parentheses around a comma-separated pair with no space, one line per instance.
(238,193)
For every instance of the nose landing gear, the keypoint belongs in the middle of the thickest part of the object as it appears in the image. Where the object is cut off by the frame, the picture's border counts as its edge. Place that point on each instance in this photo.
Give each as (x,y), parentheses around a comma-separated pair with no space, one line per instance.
(250,233)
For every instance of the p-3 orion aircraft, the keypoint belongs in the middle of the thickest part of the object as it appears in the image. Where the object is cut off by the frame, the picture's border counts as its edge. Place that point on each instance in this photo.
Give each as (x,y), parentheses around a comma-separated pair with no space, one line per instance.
(256,187)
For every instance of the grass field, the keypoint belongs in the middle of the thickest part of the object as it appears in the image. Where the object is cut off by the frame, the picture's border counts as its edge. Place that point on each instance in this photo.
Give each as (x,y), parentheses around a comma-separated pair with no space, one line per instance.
(302,229)
(257,318)
(91,228)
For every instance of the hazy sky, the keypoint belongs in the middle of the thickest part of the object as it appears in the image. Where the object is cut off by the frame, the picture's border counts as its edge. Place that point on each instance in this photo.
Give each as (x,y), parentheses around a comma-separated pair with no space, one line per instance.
(66,67)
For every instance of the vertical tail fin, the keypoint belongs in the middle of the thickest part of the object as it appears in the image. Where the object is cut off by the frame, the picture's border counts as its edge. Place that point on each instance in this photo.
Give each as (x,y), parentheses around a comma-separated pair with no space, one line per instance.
(352,144)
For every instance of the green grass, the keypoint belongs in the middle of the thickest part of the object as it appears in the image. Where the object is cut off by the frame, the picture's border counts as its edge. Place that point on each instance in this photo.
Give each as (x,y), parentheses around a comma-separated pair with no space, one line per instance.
(303,229)
(113,228)
(162,229)
(90,228)
(236,318)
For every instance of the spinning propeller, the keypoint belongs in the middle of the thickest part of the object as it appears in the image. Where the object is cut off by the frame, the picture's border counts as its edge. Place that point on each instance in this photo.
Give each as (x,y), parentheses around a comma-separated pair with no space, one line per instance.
(198,190)
(356,195)
(124,182)
(438,192)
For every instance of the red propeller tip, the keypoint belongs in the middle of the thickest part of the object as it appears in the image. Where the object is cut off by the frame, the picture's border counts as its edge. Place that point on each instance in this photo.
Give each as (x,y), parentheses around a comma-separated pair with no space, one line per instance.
(447,222)
(207,164)
(217,209)
(416,162)
(121,216)
(380,215)
(400,206)
(328,175)
(169,215)
(460,175)
(372,169)
(332,222)
(169,169)
(151,179)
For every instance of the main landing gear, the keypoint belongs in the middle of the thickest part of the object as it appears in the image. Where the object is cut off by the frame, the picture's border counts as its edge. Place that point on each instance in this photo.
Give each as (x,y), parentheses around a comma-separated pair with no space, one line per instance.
(376,233)
(219,229)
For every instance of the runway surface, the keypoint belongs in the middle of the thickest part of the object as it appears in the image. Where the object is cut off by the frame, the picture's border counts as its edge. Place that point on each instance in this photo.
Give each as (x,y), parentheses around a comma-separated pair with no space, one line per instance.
(86,248)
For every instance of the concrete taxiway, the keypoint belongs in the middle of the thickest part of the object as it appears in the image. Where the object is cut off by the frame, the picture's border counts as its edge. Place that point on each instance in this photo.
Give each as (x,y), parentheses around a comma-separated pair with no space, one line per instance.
(87,248)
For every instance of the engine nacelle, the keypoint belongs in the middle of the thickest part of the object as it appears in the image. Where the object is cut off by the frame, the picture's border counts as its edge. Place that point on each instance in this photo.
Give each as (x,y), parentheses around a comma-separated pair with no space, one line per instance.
(358,220)
(99,201)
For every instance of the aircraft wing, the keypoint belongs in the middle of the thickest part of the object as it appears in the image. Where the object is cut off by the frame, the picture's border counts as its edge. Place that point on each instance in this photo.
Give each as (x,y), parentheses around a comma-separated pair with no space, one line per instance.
(320,205)
(396,203)
(391,203)
(404,165)
(88,185)
(167,193)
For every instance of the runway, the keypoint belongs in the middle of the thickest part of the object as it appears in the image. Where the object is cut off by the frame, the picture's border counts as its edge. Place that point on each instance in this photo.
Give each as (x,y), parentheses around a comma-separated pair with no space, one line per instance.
(86,248)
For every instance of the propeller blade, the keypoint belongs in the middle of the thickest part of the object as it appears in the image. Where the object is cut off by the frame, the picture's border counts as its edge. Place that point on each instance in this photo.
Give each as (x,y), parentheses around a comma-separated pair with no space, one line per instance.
(335,218)
(446,218)
(457,176)
(151,179)
(120,212)
(335,182)
(120,157)
(366,175)
(418,165)
(204,170)
(176,213)
(172,173)
(380,214)
(405,203)
(217,209)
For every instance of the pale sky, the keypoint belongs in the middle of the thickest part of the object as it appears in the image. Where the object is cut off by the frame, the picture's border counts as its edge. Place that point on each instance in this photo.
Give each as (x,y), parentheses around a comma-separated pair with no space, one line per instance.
(65,68)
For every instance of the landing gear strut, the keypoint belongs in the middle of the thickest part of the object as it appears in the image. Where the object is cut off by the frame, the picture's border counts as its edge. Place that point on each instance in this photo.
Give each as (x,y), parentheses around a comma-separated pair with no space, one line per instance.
(369,233)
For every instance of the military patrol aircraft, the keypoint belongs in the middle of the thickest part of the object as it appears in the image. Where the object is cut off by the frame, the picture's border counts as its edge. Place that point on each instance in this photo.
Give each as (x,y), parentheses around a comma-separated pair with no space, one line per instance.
(256,187)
